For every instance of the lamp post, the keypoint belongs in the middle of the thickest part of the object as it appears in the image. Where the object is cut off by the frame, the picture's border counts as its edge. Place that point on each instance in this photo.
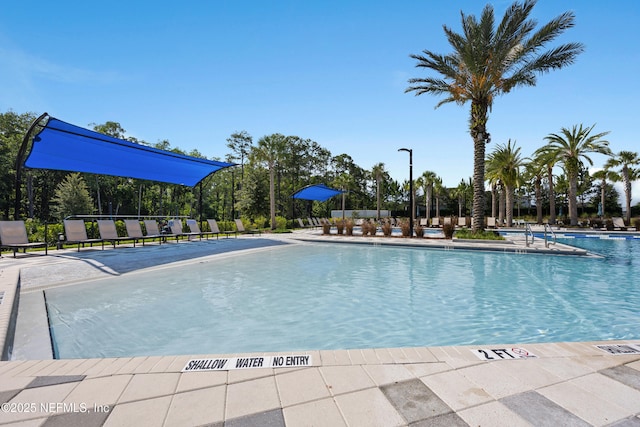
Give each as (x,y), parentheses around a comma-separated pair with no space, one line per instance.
(410,151)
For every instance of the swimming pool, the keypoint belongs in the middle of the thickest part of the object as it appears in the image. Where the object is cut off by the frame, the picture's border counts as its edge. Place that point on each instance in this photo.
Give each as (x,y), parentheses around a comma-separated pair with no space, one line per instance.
(336,296)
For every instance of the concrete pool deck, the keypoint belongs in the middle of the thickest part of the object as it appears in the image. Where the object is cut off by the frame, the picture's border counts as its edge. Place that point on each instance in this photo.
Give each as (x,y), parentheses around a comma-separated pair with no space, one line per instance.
(566,384)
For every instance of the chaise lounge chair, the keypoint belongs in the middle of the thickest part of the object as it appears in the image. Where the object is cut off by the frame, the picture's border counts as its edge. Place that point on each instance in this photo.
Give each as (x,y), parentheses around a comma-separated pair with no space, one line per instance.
(176,228)
(151,227)
(213,225)
(491,222)
(76,232)
(195,228)
(435,221)
(13,235)
(134,231)
(618,224)
(109,233)
(241,229)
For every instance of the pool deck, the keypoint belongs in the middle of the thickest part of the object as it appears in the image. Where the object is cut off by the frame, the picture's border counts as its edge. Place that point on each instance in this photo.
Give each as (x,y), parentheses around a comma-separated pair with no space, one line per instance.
(565,384)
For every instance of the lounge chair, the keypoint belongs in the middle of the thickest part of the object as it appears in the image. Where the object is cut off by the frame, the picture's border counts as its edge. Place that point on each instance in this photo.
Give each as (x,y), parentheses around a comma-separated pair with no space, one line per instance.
(435,221)
(213,225)
(108,232)
(241,229)
(302,224)
(76,232)
(618,224)
(195,228)
(175,225)
(462,221)
(491,222)
(447,220)
(13,235)
(424,222)
(152,230)
(134,231)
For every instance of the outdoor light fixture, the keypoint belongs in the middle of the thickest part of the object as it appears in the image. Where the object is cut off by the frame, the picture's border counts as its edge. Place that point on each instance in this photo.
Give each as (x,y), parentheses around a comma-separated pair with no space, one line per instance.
(410,151)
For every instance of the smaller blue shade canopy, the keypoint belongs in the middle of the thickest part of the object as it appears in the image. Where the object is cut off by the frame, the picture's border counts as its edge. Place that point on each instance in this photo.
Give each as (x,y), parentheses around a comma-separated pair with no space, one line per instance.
(317,192)
(62,146)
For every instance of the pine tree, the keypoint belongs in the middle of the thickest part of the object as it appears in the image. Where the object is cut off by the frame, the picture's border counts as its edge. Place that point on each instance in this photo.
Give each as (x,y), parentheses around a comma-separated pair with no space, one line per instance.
(72,197)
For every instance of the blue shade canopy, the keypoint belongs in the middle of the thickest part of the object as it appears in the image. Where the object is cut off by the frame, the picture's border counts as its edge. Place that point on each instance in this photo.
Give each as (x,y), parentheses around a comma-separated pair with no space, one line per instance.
(318,192)
(63,146)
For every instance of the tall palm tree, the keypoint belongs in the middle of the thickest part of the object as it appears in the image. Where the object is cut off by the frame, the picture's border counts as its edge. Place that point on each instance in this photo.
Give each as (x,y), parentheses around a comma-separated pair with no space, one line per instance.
(378,173)
(438,190)
(626,160)
(270,150)
(504,163)
(604,175)
(570,148)
(426,181)
(534,172)
(487,62)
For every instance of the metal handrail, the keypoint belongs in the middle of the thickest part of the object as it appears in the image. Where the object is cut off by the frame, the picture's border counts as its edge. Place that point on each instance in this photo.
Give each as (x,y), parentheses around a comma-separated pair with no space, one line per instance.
(546,241)
(527,231)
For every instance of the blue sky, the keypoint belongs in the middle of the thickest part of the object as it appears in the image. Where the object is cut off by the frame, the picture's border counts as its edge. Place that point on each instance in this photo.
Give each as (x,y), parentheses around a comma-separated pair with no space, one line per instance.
(331,71)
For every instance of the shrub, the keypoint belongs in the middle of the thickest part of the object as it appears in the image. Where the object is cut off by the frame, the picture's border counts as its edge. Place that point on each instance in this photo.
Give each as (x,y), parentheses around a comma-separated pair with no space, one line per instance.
(326,228)
(448,230)
(466,233)
(261,221)
(404,227)
(349,227)
(281,223)
(609,224)
(340,226)
(386,228)
(419,230)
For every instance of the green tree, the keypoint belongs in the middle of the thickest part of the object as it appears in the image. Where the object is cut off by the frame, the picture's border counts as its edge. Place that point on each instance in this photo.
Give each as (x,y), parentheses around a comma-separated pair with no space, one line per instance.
(270,150)
(534,171)
(504,164)
(425,181)
(72,197)
(570,147)
(605,176)
(626,160)
(488,62)
(378,173)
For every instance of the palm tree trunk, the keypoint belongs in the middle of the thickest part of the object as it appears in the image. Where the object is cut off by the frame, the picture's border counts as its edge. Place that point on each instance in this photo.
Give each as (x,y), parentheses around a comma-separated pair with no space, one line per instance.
(378,198)
(272,196)
(501,204)
(509,205)
(552,197)
(539,200)
(480,137)
(627,194)
(603,187)
(573,200)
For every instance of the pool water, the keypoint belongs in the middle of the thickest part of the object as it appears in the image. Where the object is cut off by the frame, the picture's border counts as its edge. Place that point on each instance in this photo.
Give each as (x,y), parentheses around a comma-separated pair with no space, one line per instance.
(337,296)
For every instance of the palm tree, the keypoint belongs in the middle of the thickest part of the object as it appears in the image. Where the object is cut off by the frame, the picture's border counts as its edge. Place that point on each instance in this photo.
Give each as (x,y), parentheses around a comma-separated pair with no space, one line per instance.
(378,173)
(461,192)
(626,160)
(604,175)
(488,62)
(438,190)
(426,181)
(270,150)
(504,163)
(570,148)
(534,172)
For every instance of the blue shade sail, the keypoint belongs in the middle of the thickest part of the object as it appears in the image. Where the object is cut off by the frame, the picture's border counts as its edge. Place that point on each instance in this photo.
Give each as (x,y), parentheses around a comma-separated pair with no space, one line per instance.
(318,192)
(62,146)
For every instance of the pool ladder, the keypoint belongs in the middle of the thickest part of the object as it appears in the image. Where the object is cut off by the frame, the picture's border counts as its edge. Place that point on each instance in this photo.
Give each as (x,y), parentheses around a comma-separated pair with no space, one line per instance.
(548,231)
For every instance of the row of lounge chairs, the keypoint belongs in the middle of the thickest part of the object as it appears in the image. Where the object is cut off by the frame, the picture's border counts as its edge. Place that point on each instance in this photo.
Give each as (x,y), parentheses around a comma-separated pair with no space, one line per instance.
(13,234)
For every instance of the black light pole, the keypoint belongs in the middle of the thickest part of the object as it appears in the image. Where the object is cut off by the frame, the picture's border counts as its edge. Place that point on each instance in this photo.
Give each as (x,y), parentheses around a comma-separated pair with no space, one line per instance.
(410,151)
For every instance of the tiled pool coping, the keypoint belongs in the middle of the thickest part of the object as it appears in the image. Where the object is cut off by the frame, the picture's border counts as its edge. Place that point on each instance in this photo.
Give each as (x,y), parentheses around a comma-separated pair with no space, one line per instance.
(568,383)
